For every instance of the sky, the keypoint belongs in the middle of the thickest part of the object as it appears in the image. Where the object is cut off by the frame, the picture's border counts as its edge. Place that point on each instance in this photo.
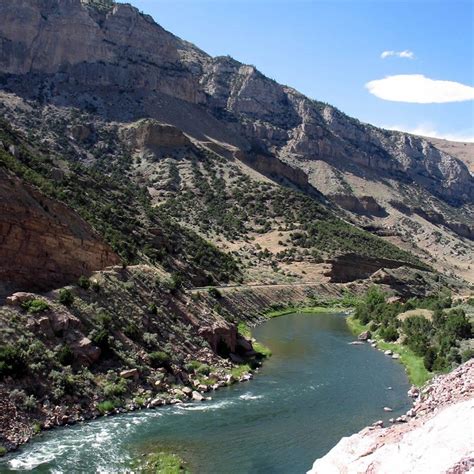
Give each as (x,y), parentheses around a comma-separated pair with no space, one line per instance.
(406,65)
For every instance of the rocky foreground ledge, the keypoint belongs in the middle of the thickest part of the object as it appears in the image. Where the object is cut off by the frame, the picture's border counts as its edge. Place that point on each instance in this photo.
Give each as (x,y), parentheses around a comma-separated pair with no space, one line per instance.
(436,435)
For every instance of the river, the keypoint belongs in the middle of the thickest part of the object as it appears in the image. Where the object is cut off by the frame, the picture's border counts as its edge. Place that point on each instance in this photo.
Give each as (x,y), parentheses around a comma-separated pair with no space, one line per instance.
(315,389)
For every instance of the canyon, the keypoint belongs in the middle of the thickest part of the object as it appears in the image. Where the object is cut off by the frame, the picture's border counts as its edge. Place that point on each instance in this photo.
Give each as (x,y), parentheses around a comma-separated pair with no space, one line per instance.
(155,201)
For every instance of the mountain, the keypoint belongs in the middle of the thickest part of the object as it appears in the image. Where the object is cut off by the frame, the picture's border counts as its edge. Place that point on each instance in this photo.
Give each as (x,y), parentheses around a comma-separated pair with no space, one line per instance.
(91,64)
(136,171)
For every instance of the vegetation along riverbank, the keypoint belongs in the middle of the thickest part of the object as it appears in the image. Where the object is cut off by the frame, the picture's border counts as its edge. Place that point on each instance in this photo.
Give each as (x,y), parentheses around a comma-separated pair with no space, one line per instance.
(428,335)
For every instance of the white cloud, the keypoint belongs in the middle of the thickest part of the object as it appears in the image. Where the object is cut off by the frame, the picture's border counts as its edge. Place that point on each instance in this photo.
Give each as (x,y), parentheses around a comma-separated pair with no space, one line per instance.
(428,130)
(419,89)
(407,54)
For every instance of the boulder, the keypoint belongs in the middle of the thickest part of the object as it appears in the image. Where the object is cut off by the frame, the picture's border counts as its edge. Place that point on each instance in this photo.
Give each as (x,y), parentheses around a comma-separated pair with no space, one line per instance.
(387,409)
(388,352)
(62,321)
(243,344)
(364,336)
(86,352)
(18,298)
(129,374)
(235,358)
(197,396)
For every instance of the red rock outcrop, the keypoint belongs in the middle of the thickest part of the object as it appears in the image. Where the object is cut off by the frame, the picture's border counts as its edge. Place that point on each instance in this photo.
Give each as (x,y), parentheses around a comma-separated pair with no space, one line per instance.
(350,267)
(43,243)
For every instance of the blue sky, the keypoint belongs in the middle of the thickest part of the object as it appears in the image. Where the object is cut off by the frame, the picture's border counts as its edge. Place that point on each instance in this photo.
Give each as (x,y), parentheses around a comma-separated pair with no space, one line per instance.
(331,50)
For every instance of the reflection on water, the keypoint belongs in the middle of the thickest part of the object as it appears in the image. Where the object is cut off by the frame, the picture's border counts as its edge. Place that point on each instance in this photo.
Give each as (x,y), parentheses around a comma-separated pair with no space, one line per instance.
(315,389)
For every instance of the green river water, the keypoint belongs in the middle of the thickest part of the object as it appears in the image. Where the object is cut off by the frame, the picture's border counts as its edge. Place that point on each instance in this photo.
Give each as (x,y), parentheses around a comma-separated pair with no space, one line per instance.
(315,389)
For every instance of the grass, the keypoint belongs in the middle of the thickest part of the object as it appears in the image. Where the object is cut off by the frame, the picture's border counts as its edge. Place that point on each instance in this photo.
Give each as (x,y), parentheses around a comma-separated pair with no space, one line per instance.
(106,406)
(355,326)
(258,347)
(240,370)
(414,366)
(163,463)
(261,349)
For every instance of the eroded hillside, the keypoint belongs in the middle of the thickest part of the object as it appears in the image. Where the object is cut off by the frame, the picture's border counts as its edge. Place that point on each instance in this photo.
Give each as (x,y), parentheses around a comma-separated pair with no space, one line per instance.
(111,63)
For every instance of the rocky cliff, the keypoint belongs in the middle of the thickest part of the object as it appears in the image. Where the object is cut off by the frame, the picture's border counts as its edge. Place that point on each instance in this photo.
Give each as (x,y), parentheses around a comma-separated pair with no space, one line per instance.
(43,243)
(116,64)
(435,436)
(67,45)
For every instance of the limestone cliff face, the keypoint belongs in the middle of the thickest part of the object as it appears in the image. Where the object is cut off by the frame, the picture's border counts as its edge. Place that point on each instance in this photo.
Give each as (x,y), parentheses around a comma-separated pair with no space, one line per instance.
(43,243)
(117,47)
(70,49)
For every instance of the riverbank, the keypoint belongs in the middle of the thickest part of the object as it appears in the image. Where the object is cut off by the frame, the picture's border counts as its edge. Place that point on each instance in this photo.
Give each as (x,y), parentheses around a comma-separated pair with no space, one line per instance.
(414,366)
(298,406)
(149,369)
(435,436)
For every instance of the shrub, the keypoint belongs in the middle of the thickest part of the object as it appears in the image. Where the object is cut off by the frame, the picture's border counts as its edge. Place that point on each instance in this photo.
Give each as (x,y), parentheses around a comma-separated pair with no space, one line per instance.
(192,366)
(65,355)
(12,361)
(203,369)
(159,359)
(458,325)
(106,406)
(84,282)
(101,339)
(116,389)
(214,293)
(35,306)
(418,332)
(152,308)
(467,355)
(66,297)
(3,451)
(429,358)
(132,331)
(389,333)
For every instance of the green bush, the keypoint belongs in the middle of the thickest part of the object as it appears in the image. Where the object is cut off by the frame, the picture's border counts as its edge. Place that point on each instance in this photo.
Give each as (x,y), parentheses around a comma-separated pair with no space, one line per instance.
(66,297)
(389,333)
(429,358)
(12,361)
(101,339)
(197,367)
(116,389)
(159,359)
(84,282)
(35,306)
(3,451)
(106,406)
(65,355)
(418,331)
(132,331)
(203,369)
(467,355)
